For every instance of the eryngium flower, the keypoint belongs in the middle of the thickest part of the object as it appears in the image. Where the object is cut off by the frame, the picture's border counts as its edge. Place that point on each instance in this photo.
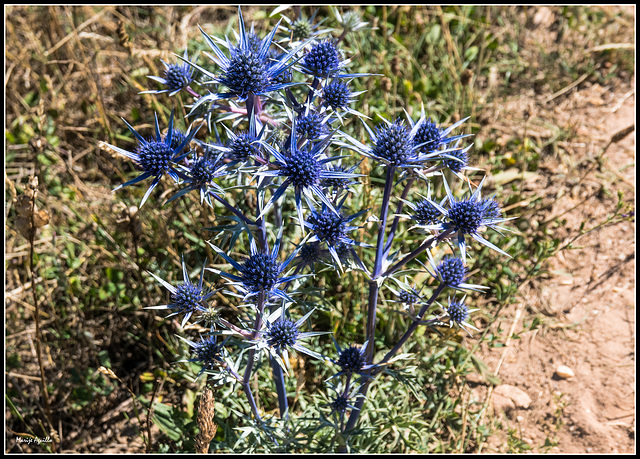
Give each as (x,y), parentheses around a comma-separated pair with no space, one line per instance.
(187,298)
(322,60)
(312,126)
(468,216)
(249,70)
(156,157)
(432,137)
(176,78)
(397,145)
(452,273)
(199,175)
(458,313)
(243,146)
(337,95)
(207,352)
(332,228)
(260,272)
(301,169)
(351,359)
(279,334)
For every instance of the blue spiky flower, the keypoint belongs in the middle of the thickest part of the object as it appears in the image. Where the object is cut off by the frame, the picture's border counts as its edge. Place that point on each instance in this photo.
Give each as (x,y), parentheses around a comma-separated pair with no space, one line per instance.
(260,272)
(351,359)
(312,126)
(337,94)
(432,137)
(187,298)
(302,169)
(207,352)
(244,146)
(332,228)
(199,176)
(156,156)
(425,213)
(398,145)
(309,254)
(322,60)
(452,273)
(459,313)
(407,298)
(466,217)
(340,403)
(176,78)
(249,69)
(282,333)
(279,334)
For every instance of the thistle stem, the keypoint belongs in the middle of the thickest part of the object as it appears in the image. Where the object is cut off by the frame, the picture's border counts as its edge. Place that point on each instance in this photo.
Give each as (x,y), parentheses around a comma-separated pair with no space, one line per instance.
(416,322)
(425,245)
(396,220)
(374,285)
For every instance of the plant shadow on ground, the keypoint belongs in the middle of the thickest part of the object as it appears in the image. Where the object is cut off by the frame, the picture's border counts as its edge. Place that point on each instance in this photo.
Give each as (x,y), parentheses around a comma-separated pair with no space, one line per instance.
(72,72)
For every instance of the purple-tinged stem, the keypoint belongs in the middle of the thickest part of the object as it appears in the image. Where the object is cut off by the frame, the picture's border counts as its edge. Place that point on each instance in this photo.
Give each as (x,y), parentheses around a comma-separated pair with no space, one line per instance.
(374,286)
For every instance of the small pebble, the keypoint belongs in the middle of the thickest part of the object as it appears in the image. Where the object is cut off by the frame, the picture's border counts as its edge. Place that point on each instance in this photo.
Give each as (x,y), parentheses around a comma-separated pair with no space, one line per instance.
(565,372)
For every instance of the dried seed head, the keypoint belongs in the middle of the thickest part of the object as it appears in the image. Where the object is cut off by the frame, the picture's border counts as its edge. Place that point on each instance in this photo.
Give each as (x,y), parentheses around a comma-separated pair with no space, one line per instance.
(205,422)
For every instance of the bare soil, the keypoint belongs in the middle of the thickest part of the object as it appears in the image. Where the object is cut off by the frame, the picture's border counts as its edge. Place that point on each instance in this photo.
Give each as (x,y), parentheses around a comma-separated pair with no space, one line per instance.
(587,303)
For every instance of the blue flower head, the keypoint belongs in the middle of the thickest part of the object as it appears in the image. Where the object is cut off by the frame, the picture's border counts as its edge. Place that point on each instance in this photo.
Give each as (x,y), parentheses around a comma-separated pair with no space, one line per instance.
(155,157)
(244,146)
(279,334)
(260,272)
(176,78)
(397,145)
(452,273)
(332,229)
(459,313)
(199,176)
(322,60)
(466,217)
(187,298)
(207,352)
(249,69)
(303,170)
(351,360)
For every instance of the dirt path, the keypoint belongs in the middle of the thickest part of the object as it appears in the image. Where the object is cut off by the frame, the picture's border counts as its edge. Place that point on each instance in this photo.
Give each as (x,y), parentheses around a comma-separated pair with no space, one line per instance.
(587,304)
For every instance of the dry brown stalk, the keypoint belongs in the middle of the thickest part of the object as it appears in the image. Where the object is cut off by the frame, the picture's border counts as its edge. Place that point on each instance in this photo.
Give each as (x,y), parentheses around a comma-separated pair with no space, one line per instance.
(206,425)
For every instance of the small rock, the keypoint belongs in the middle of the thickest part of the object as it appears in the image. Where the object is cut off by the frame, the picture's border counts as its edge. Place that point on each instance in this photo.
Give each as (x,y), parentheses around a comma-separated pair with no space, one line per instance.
(519,397)
(519,418)
(502,403)
(565,372)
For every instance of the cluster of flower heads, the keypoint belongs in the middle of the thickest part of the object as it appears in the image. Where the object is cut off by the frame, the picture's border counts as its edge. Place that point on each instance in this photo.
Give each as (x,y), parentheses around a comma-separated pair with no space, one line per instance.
(290,153)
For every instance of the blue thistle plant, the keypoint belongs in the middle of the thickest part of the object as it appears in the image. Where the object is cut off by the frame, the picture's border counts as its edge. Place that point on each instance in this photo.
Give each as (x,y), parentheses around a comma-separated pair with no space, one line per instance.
(395,144)
(458,313)
(187,298)
(452,273)
(156,157)
(244,146)
(332,228)
(176,78)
